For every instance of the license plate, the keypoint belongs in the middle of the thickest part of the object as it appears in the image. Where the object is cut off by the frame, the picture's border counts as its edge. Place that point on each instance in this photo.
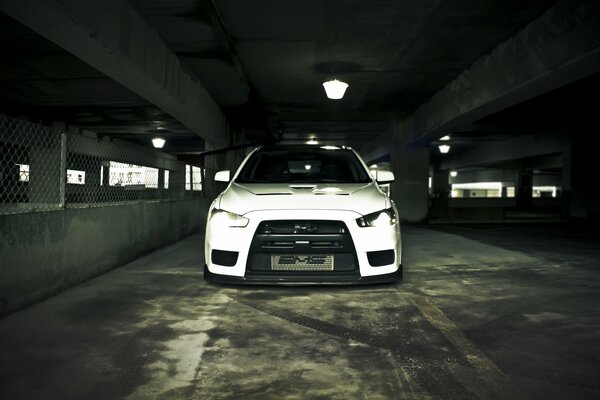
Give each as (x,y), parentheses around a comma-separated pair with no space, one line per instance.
(302,262)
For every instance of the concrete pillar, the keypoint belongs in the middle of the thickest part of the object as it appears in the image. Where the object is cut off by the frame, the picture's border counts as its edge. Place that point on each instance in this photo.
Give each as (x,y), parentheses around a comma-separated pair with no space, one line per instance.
(177,182)
(411,169)
(105,173)
(565,178)
(582,176)
(214,163)
(47,171)
(440,184)
(524,189)
(162,192)
(440,193)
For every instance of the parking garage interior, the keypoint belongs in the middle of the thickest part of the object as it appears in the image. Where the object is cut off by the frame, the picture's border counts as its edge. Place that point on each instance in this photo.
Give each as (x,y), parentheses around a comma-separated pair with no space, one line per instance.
(484,111)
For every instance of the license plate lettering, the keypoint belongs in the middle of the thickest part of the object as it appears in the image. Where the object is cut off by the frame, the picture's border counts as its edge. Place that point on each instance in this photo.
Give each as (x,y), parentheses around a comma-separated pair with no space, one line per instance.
(302,262)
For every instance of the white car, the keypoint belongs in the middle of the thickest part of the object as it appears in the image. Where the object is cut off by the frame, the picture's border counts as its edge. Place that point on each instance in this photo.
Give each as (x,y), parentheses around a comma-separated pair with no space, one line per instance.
(303,214)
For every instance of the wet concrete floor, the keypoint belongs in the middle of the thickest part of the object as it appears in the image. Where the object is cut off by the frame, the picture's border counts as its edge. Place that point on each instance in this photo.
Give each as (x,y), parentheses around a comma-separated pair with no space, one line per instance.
(484,312)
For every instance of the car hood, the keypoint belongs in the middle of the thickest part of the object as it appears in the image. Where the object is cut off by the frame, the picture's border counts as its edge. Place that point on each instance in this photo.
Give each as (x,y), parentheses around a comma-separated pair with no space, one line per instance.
(362,198)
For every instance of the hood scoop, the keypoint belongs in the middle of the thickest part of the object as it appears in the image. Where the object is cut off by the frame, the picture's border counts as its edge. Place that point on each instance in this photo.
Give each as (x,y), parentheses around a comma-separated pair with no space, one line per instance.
(303,187)
(299,188)
(319,190)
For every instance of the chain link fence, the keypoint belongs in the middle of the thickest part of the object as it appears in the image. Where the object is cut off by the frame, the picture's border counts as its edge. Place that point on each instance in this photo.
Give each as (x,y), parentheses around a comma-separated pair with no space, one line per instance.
(43,169)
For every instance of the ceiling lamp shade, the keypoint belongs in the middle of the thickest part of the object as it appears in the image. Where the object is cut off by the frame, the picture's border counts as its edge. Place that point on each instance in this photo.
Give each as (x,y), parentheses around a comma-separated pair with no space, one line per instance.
(158,142)
(444,148)
(335,89)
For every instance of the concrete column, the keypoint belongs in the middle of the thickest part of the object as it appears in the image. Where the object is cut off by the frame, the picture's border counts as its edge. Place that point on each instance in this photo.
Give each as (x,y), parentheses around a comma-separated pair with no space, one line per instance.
(583,179)
(47,171)
(105,173)
(177,182)
(524,189)
(212,164)
(91,189)
(161,183)
(440,193)
(411,169)
(190,177)
(440,184)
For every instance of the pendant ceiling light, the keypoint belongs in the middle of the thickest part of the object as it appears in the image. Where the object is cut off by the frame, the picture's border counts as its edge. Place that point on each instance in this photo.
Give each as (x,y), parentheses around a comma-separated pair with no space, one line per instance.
(335,89)
(444,148)
(158,142)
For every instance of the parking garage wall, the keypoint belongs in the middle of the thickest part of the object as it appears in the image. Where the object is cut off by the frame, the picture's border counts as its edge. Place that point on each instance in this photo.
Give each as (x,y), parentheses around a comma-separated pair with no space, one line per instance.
(73,206)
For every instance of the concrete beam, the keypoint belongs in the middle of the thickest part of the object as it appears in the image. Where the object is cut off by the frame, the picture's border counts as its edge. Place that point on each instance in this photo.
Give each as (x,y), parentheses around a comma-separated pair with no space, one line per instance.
(121,151)
(114,38)
(508,150)
(560,47)
(490,175)
(377,148)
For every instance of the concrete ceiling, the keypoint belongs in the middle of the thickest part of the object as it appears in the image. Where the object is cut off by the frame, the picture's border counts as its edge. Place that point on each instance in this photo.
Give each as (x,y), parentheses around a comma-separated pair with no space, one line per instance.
(274,55)
(567,109)
(43,82)
(264,63)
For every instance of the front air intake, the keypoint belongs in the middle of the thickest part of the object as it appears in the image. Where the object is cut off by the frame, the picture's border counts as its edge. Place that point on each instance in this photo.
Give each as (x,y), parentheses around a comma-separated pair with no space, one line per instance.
(225,258)
(379,258)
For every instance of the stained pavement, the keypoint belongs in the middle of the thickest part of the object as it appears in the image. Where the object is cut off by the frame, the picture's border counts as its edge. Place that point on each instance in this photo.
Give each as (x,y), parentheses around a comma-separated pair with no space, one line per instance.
(484,312)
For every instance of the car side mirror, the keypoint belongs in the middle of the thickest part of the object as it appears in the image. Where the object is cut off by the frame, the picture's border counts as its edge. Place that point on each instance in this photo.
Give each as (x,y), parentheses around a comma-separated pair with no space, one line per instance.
(223,176)
(384,176)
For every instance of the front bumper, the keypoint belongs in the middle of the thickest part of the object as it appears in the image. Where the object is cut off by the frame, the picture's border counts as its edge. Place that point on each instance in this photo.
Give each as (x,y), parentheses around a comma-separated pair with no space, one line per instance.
(306,279)
(365,240)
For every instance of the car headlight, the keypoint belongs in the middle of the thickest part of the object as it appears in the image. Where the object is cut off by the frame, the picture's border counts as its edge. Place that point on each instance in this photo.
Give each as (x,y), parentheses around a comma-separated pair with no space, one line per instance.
(226,218)
(385,217)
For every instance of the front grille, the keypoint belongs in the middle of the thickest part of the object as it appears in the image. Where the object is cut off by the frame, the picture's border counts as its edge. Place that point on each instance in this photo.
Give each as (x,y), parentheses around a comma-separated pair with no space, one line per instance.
(298,227)
(297,247)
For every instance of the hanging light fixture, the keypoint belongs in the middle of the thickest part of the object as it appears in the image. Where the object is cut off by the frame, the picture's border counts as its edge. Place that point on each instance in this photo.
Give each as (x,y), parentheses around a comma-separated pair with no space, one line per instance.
(158,142)
(335,89)
(444,138)
(444,148)
(454,174)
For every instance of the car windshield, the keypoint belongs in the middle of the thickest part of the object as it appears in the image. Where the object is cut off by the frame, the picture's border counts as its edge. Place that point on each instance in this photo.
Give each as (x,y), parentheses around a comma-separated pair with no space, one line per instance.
(310,166)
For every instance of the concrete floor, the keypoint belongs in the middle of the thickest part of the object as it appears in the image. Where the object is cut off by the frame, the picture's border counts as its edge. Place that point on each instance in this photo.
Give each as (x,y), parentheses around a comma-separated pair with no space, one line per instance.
(484,312)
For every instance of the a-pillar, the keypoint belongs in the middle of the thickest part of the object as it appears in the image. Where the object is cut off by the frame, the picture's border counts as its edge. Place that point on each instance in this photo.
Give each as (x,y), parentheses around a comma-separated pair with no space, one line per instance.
(410,165)
(47,170)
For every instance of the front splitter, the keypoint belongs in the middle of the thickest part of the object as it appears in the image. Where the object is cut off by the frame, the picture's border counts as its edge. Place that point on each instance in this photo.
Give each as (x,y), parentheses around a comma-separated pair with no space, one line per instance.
(303,280)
